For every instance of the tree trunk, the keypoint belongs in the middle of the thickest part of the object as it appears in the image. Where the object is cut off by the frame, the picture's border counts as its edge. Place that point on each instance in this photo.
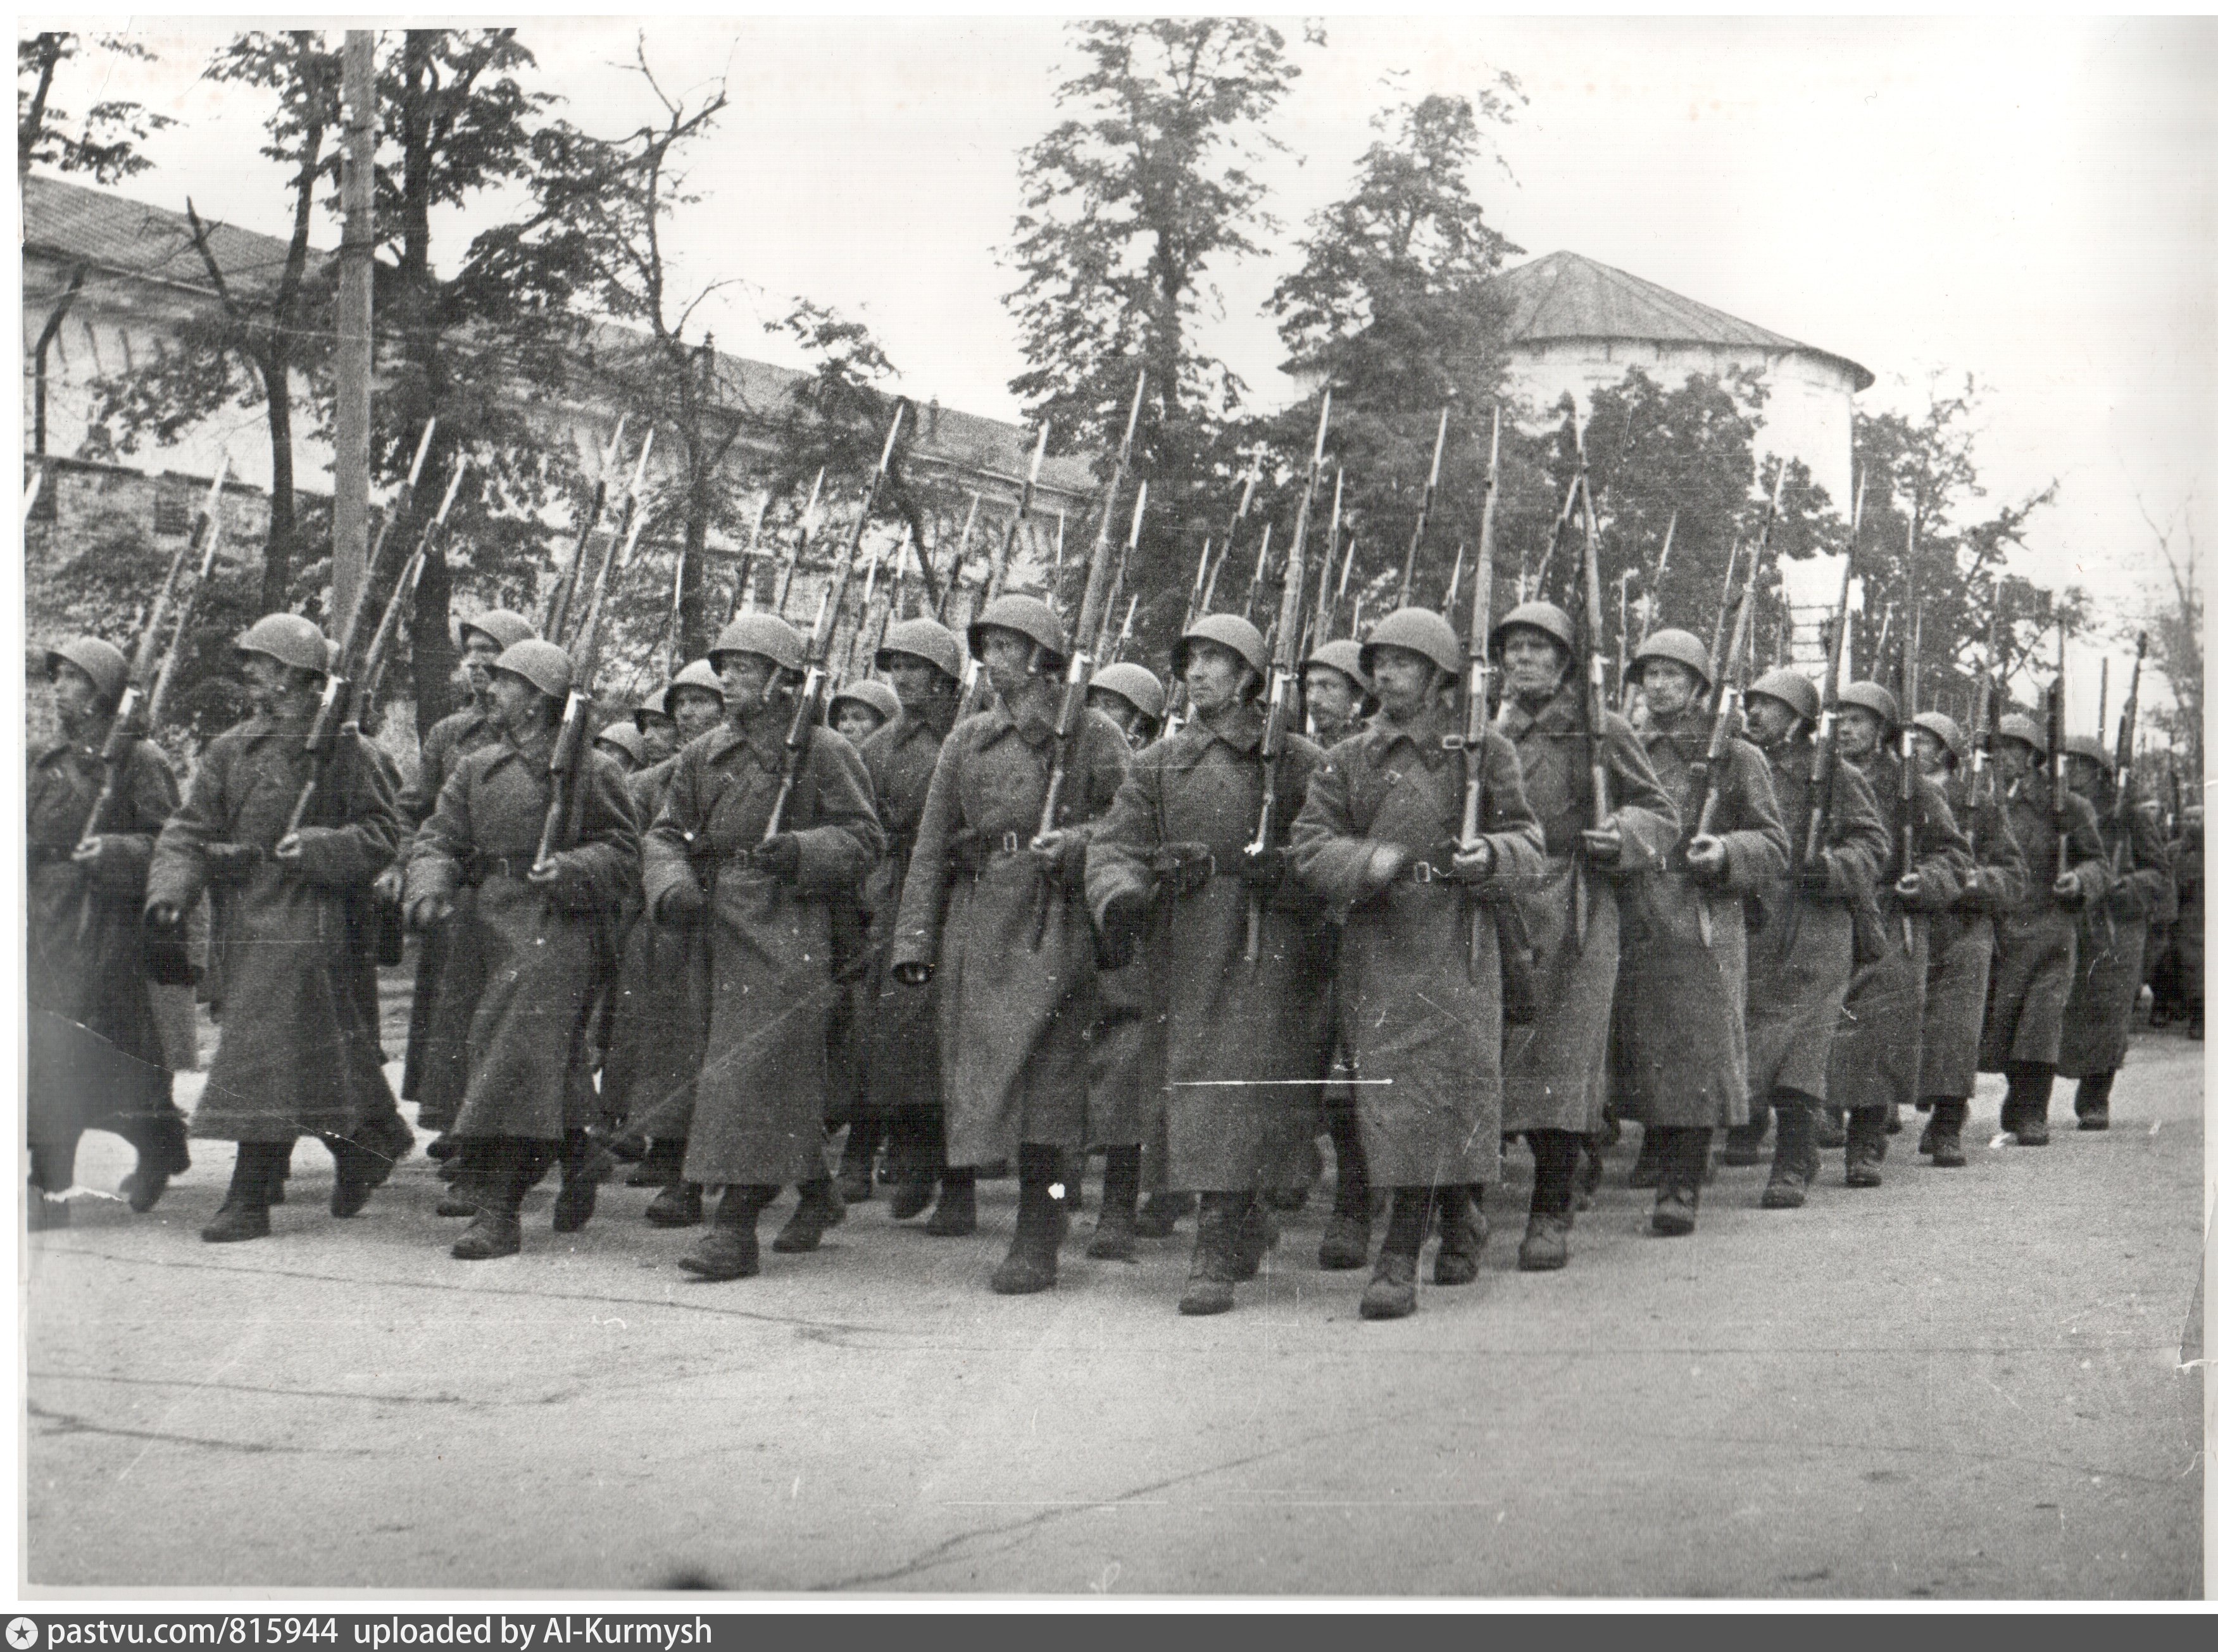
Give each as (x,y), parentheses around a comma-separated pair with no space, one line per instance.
(47,334)
(277,552)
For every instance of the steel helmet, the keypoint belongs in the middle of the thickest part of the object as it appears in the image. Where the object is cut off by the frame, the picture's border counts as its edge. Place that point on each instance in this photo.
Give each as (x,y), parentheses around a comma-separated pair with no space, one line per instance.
(1134,682)
(879,697)
(1790,689)
(1680,647)
(626,738)
(654,704)
(1028,617)
(102,662)
(698,674)
(1871,697)
(1944,728)
(543,665)
(288,638)
(1227,631)
(2016,725)
(2086,745)
(1545,618)
(762,635)
(926,639)
(1346,656)
(1419,630)
(503,627)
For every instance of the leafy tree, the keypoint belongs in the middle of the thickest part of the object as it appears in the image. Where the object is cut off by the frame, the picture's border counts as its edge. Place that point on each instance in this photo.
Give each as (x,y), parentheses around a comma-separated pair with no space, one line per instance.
(2174,633)
(106,143)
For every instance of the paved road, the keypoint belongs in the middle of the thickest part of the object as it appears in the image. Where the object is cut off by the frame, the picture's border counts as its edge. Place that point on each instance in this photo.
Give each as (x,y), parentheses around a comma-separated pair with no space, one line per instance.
(1963,1384)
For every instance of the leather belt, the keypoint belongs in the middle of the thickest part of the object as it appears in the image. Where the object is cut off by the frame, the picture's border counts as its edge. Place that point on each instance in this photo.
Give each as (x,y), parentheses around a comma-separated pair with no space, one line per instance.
(510,866)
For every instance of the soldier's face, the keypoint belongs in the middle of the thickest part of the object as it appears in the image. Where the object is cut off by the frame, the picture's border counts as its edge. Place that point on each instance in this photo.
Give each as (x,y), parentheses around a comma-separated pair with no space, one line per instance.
(1008,659)
(1214,676)
(515,702)
(267,681)
(1769,720)
(695,711)
(915,681)
(1116,708)
(1931,754)
(1669,687)
(1331,696)
(2014,759)
(75,700)
(2081,774)
(478,652)
(746,679)
(1533,662)
(855,721)
(1403,680)
(1860,732)
(660,733)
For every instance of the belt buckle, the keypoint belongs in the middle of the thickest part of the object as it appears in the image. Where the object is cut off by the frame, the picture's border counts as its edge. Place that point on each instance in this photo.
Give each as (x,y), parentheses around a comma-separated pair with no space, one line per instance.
(1422,872)
(1012,844)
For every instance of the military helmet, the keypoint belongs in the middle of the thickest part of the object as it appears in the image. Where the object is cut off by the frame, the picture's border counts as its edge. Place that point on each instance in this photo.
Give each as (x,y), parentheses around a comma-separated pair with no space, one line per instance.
(288,638)
(1944,728)
(698,674)
(764,635)
(1791,688)
(1419,630)
(654,703)
(1134,682)
(1680,647)
(627,738)
(1545,618)
(505,628)
(541,663)
(1226,631)
(2016,725)
(879,697)
(1028,617)
(102,662)
(926,639)
(1346,656)
(2086,745)
(1870,696)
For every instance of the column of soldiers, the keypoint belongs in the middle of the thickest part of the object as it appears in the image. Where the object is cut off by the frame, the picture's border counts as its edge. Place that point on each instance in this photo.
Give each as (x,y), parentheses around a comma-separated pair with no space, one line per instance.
(1722,946)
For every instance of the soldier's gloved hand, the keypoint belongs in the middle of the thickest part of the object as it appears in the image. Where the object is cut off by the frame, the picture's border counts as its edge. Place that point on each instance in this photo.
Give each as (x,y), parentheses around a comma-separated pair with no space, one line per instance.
(567,885)
(1706,858)
(387,887)
(1473,865)
(2067,888)
(680,904)
(1908,885)
(1385,864)
(1124,917)
(779,857)
(427,911)
(1605,844)
(1187,867)
(164,915)
(913,974)
(1061,855)
(1264,869)
(232,863)
(106,865)
(1821,875)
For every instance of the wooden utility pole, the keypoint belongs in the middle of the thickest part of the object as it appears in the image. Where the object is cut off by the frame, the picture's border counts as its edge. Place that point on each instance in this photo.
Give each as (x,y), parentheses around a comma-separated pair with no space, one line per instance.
(350,433)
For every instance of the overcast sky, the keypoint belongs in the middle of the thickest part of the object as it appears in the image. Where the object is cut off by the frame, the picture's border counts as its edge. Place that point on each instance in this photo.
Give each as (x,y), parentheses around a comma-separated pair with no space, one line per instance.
(2033,201)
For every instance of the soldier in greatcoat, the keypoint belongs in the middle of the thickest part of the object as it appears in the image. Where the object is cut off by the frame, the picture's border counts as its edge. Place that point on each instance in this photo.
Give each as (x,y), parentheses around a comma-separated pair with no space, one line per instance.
(859,710)
(2113,936)
(546,932)
(764,903)
(1131,696)
(93,1047)
(1420,1001)
(1244,1040)
(1801,943)
(995,910)
(1555,1070)
(1683,973)
(1872,1072)
(623,744)
(297,1055)
(2038,942)
(1961,939)
(2187,927)
(661,1015)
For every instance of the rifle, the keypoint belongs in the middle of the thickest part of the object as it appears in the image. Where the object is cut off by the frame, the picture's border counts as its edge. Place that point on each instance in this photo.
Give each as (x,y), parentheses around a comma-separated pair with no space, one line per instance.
(1231,532)
(1825,764)
(1285,663)
(1595,706)
(1905,799)
(1724,608)
(1529,584)
(955,573)
(1346,564)
(1071,715)
(1320,628)
(566,758)
(801,544)
(372,674)
(1115,650)
(2121,809)
(1475,679)
(1653,597)
(1455,582)
(807,705)
(1984,706)
(139,708)
(997,571)
(863,613)
(2102,696)
(1117,584)
(2060,813)
(743,580)
(1255,580)
(566,588)
(1424,509)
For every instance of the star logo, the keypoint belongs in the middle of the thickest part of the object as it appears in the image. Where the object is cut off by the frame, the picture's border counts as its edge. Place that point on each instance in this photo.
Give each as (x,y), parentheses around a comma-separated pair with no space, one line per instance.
(23,1634)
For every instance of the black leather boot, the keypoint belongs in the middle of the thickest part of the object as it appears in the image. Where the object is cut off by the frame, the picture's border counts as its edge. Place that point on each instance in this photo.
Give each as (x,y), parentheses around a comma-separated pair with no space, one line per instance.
(957,1213)
(1793,1154)
(2090,1101)
(497,1229)
(245,1210)
(1686,1156)
(1116,1238)
(1867,1145)
(820,1209)
(1556,1159)
(729,1249)
(1042,1221)
(1948,1129)
(1210,1279)
(1393,1292)
(1462,1234)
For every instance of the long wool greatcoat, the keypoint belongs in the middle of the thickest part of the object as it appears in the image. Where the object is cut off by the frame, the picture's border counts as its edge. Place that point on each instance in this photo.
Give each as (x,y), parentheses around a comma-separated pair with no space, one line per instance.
(2187,929)
(94,1048)
(1682,1005)
(1962,948)
(2113,939)
(1414,1011)
(1013,1017)
(899,1025)
(526,1035)
(660,1022)
(1796,982)
(1556,1069)
(452,737)
(1241,1041)
(759,1103)
(297,1054)
(1877,1051)
(2037,943)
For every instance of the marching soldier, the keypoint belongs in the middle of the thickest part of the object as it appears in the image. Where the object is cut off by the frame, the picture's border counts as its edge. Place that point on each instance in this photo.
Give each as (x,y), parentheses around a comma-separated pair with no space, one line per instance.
(2038,942)
(1873,1072)
(1802,952)
(2187,929)
(1555,1071)
(296,1056)
(1419,1004)
(622,744)
(543,933)
(861,708)
(765,908)
(900,1024)
(1682,976)
(93,1046)
(1334,692)
(2113,936)
(1962,940)
(1242,1038)
(1131,696)
(999,914)
(657,725)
